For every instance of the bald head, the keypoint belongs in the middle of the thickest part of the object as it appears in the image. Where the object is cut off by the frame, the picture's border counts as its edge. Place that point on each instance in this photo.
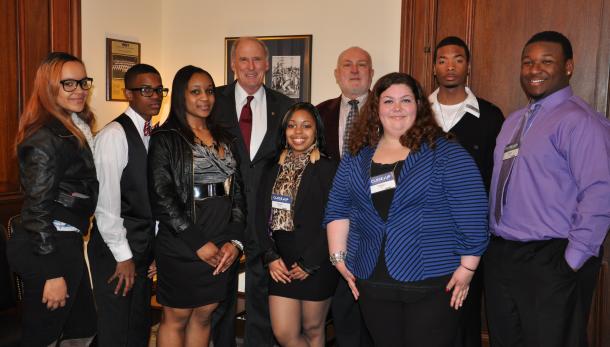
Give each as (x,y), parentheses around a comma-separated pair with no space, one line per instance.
(354,72)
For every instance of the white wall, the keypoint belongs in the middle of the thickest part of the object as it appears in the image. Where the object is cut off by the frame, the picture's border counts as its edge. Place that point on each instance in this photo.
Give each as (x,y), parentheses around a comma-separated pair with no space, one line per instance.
(181,32)
(130,20)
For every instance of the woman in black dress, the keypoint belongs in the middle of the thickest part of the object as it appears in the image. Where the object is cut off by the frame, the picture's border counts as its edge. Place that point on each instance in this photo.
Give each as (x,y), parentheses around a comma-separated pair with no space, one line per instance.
(196,196)
(57,173)
(289,220)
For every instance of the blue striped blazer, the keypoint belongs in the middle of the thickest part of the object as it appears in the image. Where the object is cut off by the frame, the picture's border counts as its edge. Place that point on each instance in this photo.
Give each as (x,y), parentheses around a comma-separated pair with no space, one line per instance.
(438,213)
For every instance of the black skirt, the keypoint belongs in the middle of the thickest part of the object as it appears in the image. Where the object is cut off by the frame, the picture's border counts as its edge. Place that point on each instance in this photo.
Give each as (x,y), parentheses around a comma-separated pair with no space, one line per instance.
(184,280)
(317,287)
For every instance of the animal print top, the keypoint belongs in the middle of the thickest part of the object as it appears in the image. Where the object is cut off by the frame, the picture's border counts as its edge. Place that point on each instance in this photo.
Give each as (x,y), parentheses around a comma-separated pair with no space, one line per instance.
(287,184)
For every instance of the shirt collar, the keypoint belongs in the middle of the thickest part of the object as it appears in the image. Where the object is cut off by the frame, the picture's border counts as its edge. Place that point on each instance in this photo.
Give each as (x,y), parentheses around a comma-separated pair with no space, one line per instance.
(361,100)
(241,94)
(555,98)
(471,104)
(137,120)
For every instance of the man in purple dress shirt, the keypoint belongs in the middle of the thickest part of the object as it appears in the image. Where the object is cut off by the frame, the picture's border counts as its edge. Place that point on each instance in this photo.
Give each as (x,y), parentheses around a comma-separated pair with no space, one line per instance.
(549,206)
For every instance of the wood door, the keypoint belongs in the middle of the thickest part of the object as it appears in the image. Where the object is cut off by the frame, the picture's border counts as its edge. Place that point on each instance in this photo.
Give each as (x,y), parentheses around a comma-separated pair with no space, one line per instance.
(29,30)
(496,32)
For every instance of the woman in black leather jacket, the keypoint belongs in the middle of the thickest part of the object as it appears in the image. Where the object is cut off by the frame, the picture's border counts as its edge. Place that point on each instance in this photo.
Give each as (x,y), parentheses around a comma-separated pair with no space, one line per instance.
(54,149)
(195,194)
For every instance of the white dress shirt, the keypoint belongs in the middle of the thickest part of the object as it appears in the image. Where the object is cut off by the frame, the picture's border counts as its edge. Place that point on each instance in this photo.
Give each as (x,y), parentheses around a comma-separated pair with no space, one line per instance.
(259,115)
(111,157)
(450,115)
(343,112)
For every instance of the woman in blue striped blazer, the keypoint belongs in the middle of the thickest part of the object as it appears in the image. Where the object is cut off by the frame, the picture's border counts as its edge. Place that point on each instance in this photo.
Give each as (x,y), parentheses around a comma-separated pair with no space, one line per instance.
(406,218)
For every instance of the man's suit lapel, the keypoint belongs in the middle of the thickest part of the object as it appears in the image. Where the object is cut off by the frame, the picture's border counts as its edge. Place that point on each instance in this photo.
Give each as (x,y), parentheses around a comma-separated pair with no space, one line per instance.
(273,118)
(229,94)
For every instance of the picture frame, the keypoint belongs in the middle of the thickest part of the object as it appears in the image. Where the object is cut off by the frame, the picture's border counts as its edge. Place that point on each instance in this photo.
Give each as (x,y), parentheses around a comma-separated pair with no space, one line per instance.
(289,64)
(120,56)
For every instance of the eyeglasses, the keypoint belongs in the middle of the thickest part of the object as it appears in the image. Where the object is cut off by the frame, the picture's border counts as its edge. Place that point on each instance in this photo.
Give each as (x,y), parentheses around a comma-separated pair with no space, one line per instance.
(71,85)
(148,91)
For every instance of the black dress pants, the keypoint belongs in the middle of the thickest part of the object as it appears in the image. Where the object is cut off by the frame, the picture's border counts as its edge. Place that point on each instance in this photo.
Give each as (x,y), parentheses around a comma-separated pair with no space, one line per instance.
(469,329)
(258,323)
(534,298)
(76,320)
(122,320)
(416,315)
(349,326)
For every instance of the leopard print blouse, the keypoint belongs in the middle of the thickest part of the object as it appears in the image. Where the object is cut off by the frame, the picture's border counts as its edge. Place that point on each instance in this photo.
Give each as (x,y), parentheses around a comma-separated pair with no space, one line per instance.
(287,184)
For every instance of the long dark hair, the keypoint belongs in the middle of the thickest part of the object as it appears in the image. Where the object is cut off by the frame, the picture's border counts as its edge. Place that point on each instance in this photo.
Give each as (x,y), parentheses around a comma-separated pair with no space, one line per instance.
(313,111)
(368,129)
(177,110)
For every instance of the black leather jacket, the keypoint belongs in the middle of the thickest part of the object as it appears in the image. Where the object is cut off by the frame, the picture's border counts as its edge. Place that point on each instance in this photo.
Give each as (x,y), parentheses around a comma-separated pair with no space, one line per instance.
(170,180)
(59,183)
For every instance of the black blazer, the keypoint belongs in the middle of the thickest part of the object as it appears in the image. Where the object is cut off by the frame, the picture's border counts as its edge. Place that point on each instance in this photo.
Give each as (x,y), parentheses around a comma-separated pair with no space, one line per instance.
(252,170)
(309,207)
(329,110)
(478,136)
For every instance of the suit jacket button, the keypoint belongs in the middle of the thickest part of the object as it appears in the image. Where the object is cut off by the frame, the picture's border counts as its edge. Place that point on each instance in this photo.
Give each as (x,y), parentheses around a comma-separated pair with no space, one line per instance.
(252,166)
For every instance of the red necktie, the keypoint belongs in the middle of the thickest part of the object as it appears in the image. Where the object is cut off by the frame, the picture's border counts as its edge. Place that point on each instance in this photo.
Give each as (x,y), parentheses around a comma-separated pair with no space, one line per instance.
(147,128)
(245,122)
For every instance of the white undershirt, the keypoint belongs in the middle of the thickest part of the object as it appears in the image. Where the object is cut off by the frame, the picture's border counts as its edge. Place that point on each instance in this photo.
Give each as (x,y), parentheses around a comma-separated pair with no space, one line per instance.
(447,116)
(259,115)
(111,157)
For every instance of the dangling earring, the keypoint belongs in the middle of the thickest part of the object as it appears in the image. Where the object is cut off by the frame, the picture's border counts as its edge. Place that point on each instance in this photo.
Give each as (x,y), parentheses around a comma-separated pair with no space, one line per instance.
(283,155)
(314,155)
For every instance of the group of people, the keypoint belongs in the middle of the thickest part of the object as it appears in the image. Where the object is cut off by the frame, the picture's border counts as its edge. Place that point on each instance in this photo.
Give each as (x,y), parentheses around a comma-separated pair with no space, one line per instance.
(372,206)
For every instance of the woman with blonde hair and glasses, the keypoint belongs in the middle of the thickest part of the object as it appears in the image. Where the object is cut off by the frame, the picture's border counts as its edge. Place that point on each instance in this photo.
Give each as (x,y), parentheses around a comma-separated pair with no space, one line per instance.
(60,187)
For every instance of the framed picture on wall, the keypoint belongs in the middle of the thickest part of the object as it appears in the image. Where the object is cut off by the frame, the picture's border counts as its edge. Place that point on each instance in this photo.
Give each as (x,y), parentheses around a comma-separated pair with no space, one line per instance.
(289,64)
(120,56)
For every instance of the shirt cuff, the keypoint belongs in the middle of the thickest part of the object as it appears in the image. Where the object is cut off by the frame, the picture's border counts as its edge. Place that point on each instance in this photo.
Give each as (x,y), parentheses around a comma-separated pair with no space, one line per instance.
(574,257)
(121,252)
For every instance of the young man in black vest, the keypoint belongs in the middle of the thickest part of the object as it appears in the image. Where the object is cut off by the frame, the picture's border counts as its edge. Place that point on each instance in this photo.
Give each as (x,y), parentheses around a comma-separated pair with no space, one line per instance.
(475,123)
(121,244)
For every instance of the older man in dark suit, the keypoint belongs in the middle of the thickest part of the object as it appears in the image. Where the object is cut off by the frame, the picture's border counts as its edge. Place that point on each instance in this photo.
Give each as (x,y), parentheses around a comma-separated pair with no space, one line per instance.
(253,112)
(354,74)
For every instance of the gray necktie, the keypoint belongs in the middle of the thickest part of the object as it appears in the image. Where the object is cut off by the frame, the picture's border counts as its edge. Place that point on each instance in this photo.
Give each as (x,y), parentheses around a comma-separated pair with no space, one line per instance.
(507,164)
(353,111)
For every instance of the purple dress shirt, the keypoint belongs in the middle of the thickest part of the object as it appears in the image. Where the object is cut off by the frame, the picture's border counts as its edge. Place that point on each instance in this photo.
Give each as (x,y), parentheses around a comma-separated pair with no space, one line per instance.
(560,181)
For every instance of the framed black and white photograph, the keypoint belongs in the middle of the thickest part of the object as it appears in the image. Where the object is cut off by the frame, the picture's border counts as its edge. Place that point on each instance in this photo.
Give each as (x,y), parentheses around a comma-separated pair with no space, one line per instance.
(289,64)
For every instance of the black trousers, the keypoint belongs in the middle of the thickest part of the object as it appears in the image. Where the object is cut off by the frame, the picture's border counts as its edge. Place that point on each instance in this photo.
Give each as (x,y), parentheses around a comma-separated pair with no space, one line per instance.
(223,318)
(122,320)
(469,328)
(77,318)
(533,297)
(421,317)
(349,326)
(258,324)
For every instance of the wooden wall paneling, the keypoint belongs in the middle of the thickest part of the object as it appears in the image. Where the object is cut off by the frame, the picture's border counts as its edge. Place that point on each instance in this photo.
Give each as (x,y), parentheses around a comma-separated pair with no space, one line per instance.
(9,97)
(501,30)
(416,44)
(65,26)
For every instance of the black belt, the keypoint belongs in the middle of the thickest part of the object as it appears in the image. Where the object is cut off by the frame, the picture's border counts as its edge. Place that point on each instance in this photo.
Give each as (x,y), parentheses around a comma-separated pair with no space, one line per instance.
(202,191)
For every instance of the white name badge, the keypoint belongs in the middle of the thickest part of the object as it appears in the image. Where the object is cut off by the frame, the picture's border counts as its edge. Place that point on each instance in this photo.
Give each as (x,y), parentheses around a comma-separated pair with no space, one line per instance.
(382,182)
(281,202)
(511,151)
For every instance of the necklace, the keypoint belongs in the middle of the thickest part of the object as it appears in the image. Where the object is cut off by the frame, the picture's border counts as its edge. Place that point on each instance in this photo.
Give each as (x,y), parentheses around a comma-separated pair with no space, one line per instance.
(451,117)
